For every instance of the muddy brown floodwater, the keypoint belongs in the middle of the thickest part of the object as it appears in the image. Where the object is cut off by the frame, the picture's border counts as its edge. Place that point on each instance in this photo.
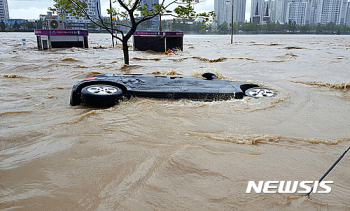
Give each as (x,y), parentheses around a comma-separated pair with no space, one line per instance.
(147,154)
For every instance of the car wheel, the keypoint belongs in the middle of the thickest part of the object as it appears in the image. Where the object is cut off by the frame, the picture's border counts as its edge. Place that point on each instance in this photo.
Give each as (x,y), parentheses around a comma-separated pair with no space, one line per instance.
(101,95)
(259,92)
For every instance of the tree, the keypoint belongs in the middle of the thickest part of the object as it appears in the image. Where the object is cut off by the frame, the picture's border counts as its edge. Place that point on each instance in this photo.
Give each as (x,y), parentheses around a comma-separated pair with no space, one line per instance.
(291,25)
(39,24)
(27,26)
(2,26)
(223,28)
(16,26)
(148,24)
(130,10)
(177,25)
(304,29)
(278,26)
(330,27)
(198,27)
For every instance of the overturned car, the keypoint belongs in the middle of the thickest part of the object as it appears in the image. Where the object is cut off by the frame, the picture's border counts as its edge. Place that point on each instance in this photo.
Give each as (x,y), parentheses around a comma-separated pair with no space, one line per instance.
(107,89)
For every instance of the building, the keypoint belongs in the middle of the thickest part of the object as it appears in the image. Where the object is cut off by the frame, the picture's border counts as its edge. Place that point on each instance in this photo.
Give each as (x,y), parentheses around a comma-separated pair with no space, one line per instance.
(256,11)
(223,11)
(266,11)
(49,15)
(155,20)
(81,22)
(311,12)
(315,12)
(330,11)
(347,16)
(261,11)
(303,12)
(4,10)
(298,11)
(13,21)
(343,12)
(278,11)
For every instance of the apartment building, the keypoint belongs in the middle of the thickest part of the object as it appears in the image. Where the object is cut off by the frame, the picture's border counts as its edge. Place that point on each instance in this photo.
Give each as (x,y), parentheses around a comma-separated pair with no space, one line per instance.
(223,11)
(4,10)
(303,12)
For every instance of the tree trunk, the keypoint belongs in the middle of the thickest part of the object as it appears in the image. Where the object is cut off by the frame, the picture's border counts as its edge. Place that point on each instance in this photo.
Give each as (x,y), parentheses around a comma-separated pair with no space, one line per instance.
(125,43)
(126,51)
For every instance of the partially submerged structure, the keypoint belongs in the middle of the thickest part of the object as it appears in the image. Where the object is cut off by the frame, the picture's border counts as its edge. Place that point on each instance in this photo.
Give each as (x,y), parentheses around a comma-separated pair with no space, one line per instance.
(157,41)
(56,36)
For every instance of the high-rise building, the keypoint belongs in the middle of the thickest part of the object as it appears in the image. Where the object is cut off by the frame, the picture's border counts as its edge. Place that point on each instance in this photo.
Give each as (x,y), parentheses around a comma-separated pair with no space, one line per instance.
(303,12)
(344,10)
(256,11)
(266,11)
(155,20)
(347,14)
(93,9)
(311,12)
(298,11)
(261,11)
(278,11)
(315,9)
(4,10)
(223,11)
(149,3)
(330,11)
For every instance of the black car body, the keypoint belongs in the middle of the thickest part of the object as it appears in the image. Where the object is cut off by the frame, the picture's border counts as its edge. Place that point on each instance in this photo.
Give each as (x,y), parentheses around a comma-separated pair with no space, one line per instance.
(108,89)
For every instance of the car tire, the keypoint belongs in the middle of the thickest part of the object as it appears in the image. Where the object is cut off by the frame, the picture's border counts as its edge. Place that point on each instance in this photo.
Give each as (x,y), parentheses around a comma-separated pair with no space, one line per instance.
(101,95)
(260,92)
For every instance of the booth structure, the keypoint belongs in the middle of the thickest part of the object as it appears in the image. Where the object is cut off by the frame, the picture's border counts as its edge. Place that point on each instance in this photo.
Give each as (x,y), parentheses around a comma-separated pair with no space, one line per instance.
(157,41)
(48,39)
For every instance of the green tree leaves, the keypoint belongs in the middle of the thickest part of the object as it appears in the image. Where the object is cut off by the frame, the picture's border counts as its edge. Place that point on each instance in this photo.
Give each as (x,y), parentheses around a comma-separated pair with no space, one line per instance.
(130,10)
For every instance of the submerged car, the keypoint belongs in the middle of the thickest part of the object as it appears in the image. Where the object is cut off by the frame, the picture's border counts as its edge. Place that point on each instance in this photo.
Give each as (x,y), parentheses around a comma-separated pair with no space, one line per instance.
(107,89)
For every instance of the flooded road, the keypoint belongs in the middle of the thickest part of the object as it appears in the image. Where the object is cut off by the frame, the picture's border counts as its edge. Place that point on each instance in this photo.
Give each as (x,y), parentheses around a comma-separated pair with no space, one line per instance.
(148,154)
